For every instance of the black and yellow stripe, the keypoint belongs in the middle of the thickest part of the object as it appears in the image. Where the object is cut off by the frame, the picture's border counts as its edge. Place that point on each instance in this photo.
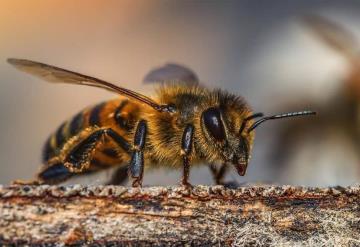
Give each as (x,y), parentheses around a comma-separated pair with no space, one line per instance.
(91,117)
(120,120)
(61,135)
(76,124)
(48,150)
(95,115)
(66,130)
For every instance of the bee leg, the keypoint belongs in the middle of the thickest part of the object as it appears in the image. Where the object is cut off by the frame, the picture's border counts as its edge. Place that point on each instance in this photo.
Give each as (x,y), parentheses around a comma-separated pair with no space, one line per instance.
(79,158)
(186,148)
(54,174)
(136,167)
(218,173)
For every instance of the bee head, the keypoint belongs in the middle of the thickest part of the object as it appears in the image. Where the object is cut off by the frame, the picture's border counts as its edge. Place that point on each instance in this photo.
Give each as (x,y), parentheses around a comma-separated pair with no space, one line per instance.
(248,126)
(230,135)
(220,126)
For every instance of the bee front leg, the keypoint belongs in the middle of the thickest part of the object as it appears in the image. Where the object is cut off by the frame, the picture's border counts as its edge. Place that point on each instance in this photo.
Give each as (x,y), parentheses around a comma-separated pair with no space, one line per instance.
(136,167)
(186,148)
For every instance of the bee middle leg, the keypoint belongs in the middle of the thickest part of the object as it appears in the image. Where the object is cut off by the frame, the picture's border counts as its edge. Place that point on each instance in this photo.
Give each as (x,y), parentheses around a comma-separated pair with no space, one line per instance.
(186,148)
(136,167)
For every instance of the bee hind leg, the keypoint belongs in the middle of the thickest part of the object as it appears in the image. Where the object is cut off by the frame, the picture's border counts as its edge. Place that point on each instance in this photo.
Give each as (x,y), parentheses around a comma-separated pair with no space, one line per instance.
(78,158)
(186,148)
(136,167)
(54,174)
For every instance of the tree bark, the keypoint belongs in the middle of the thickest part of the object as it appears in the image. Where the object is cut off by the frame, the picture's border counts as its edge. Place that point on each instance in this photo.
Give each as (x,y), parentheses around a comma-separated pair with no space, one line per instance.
(113,215)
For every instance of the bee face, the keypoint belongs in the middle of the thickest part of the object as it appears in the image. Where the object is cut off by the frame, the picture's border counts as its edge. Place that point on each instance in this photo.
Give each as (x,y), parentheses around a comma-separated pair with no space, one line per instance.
(221,126)
(240,157)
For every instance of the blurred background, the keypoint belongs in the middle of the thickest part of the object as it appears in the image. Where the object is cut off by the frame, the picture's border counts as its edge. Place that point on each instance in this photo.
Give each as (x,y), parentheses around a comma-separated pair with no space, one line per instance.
(266,51)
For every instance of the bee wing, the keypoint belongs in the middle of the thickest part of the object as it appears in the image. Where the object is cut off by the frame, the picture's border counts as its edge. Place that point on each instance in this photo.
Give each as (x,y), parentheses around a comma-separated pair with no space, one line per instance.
(170,73)
(333,34)
(54,74)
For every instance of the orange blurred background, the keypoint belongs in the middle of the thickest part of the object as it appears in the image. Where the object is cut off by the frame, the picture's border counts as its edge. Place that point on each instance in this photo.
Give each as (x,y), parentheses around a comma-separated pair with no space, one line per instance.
(252,48)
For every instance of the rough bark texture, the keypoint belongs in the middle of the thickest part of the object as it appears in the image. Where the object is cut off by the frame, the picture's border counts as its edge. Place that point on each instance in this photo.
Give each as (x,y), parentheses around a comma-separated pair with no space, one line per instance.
(247,216)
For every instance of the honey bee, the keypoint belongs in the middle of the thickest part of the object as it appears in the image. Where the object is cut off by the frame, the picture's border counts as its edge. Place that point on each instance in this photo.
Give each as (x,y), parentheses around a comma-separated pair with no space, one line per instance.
(184,125)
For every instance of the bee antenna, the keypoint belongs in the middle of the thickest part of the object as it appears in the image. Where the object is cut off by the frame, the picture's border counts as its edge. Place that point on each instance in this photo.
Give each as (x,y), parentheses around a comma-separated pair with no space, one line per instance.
(256,115)
(278,116)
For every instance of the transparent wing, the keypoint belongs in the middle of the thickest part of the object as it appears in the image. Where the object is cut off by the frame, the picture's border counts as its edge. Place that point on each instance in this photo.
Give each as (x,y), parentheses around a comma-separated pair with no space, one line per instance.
(172,73)
(57,75)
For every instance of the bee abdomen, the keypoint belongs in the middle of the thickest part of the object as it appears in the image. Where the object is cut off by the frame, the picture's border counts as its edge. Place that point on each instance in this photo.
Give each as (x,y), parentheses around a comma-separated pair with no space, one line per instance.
(61,134)
(119,118)
(76,124)
(112,114)
(94,117)
(110,152)
(66,130)
(53,143)
(48,151)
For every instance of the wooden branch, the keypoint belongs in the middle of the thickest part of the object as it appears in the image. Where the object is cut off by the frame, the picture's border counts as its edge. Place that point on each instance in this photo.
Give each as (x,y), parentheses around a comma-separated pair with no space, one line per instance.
(248,216)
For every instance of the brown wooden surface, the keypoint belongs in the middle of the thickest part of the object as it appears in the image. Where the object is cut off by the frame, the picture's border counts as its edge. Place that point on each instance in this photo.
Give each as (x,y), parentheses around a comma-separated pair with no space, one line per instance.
(248,216)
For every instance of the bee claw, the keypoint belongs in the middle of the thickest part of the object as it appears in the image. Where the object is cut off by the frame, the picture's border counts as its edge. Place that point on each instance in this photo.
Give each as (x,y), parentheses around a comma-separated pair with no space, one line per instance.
(136,184)
(187,186)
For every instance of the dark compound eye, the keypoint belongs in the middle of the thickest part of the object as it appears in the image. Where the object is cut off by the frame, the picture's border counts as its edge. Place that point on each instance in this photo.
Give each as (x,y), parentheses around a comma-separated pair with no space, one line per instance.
(213,124)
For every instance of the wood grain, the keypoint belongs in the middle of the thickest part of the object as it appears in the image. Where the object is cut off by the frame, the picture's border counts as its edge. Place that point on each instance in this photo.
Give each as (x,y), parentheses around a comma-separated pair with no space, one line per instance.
(168,216)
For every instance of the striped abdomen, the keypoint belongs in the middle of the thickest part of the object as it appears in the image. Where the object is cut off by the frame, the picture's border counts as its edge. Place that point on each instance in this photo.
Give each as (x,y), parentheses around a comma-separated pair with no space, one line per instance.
(119,115)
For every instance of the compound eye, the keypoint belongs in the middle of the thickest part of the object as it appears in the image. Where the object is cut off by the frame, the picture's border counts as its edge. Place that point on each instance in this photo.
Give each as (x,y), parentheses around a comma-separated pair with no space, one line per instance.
(213,123)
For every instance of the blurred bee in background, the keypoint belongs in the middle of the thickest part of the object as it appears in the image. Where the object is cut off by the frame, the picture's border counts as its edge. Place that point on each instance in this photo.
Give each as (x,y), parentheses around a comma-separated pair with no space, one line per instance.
(185,124)
(325,151)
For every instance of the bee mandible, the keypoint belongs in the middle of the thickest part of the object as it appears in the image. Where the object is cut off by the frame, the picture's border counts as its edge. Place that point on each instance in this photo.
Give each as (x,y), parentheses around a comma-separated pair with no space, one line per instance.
(184,125)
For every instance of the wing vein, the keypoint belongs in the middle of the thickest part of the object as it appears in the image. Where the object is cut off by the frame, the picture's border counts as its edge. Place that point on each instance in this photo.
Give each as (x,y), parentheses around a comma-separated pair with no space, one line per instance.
(54,74)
